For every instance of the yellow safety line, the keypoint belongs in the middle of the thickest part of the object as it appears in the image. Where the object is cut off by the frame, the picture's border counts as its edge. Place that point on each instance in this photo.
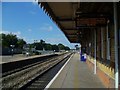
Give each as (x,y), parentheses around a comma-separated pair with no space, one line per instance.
(76,81)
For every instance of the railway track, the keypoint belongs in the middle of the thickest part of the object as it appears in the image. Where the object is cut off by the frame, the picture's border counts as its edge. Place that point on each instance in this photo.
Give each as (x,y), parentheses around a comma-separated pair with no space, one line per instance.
(42,80)
(24,65)
(24,78)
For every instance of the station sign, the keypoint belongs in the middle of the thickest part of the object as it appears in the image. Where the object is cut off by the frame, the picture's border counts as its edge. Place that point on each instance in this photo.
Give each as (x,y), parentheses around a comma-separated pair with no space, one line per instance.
(90,22)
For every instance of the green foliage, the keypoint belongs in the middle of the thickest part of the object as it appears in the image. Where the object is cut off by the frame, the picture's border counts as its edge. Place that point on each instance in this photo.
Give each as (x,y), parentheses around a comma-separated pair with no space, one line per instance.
(42,42)
(48,47)
(61,46)
(38,46)
(67,48)
(55,47)
(20,43)
(11,39)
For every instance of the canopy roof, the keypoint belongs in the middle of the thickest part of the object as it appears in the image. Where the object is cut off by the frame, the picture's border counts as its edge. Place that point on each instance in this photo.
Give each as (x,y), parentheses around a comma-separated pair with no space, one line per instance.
(76,19)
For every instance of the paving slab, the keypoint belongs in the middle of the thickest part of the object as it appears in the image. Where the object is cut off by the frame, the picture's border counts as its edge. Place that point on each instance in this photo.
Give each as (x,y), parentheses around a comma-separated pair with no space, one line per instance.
(76,74)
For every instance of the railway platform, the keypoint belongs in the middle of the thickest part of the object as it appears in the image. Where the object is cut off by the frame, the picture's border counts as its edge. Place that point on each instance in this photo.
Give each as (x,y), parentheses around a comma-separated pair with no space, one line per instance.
(75,74)
(19,57)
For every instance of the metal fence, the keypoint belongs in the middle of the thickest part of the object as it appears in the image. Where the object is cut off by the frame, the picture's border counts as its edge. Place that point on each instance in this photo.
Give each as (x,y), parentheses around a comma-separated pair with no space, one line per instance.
(8,51)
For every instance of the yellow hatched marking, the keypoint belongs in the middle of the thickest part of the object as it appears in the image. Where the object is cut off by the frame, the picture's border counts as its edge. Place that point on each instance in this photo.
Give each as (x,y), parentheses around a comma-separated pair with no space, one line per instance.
(108,70)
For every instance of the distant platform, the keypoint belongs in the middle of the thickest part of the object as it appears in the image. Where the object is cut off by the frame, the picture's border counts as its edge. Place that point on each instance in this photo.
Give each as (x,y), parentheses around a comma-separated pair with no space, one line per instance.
(18,57)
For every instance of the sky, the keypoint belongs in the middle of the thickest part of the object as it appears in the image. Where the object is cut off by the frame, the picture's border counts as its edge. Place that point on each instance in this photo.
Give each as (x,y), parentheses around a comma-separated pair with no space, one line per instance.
(29,22)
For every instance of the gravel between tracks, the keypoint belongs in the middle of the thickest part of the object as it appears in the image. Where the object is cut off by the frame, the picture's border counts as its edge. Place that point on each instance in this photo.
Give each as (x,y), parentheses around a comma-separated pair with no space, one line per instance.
(18,79)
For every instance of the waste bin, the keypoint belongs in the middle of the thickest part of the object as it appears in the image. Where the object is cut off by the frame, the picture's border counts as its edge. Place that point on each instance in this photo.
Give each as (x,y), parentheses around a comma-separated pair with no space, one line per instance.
(83,57)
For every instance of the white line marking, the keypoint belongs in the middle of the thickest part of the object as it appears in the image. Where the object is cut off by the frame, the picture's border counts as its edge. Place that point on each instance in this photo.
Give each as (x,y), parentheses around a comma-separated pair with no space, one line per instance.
(50,83)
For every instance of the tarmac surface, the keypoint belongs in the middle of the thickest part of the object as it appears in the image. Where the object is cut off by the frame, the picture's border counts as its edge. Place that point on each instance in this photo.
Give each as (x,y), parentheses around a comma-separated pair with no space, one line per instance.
(76,74)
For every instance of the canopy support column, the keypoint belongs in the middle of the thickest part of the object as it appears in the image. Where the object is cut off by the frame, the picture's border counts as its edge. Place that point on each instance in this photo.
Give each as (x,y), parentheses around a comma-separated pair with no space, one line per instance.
(116,45)
(94,51)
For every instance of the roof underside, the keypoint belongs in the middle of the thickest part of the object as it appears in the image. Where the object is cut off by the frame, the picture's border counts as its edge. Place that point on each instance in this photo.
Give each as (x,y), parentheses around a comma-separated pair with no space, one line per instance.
(64,15)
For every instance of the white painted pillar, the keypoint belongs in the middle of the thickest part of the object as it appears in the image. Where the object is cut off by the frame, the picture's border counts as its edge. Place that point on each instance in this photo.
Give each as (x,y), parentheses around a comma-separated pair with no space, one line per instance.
(116,46)
(108,43)
(102,52)
(94,51)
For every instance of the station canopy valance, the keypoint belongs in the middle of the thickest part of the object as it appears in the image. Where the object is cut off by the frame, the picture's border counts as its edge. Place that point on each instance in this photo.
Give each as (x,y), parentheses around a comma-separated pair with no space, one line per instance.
(76,18)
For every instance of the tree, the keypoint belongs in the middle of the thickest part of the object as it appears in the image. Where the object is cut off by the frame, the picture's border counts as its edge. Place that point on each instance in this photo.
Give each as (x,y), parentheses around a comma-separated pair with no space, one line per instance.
(11,39)
(67,48)
(76,46)
(55,47)
(20,43)
(61,46)
(38,46)
(8,40)
(4,43)
(48,47)
(42,42)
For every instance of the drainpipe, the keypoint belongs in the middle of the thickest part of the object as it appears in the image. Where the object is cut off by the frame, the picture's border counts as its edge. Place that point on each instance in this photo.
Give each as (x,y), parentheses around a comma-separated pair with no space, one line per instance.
(94,51)
(116,45)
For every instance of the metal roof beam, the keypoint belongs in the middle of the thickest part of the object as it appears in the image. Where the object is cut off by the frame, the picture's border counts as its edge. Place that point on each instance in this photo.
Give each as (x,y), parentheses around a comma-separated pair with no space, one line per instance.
(85,15)
(82,27)
(72,35)
(65,19)
(94,15)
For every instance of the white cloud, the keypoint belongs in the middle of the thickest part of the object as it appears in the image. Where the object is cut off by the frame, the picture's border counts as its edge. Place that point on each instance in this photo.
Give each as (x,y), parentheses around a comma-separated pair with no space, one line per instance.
(50,28)
(28,40)
(29,30)
(46,27)
(32,12)
(24,38)
(54,40)
(5,32)
(35,2)
(18,33)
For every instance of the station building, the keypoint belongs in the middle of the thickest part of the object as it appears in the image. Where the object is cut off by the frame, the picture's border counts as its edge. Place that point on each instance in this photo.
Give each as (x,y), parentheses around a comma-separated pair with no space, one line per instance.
(96,26)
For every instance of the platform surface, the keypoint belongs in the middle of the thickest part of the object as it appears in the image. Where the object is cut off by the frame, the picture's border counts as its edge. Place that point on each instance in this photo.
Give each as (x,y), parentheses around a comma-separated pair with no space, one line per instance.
(76,74)
(17,57)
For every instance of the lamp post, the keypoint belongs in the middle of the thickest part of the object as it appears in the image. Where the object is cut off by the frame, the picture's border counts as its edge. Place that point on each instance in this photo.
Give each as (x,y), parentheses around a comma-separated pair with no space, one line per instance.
(35,41)
(43,43)
(12,49)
